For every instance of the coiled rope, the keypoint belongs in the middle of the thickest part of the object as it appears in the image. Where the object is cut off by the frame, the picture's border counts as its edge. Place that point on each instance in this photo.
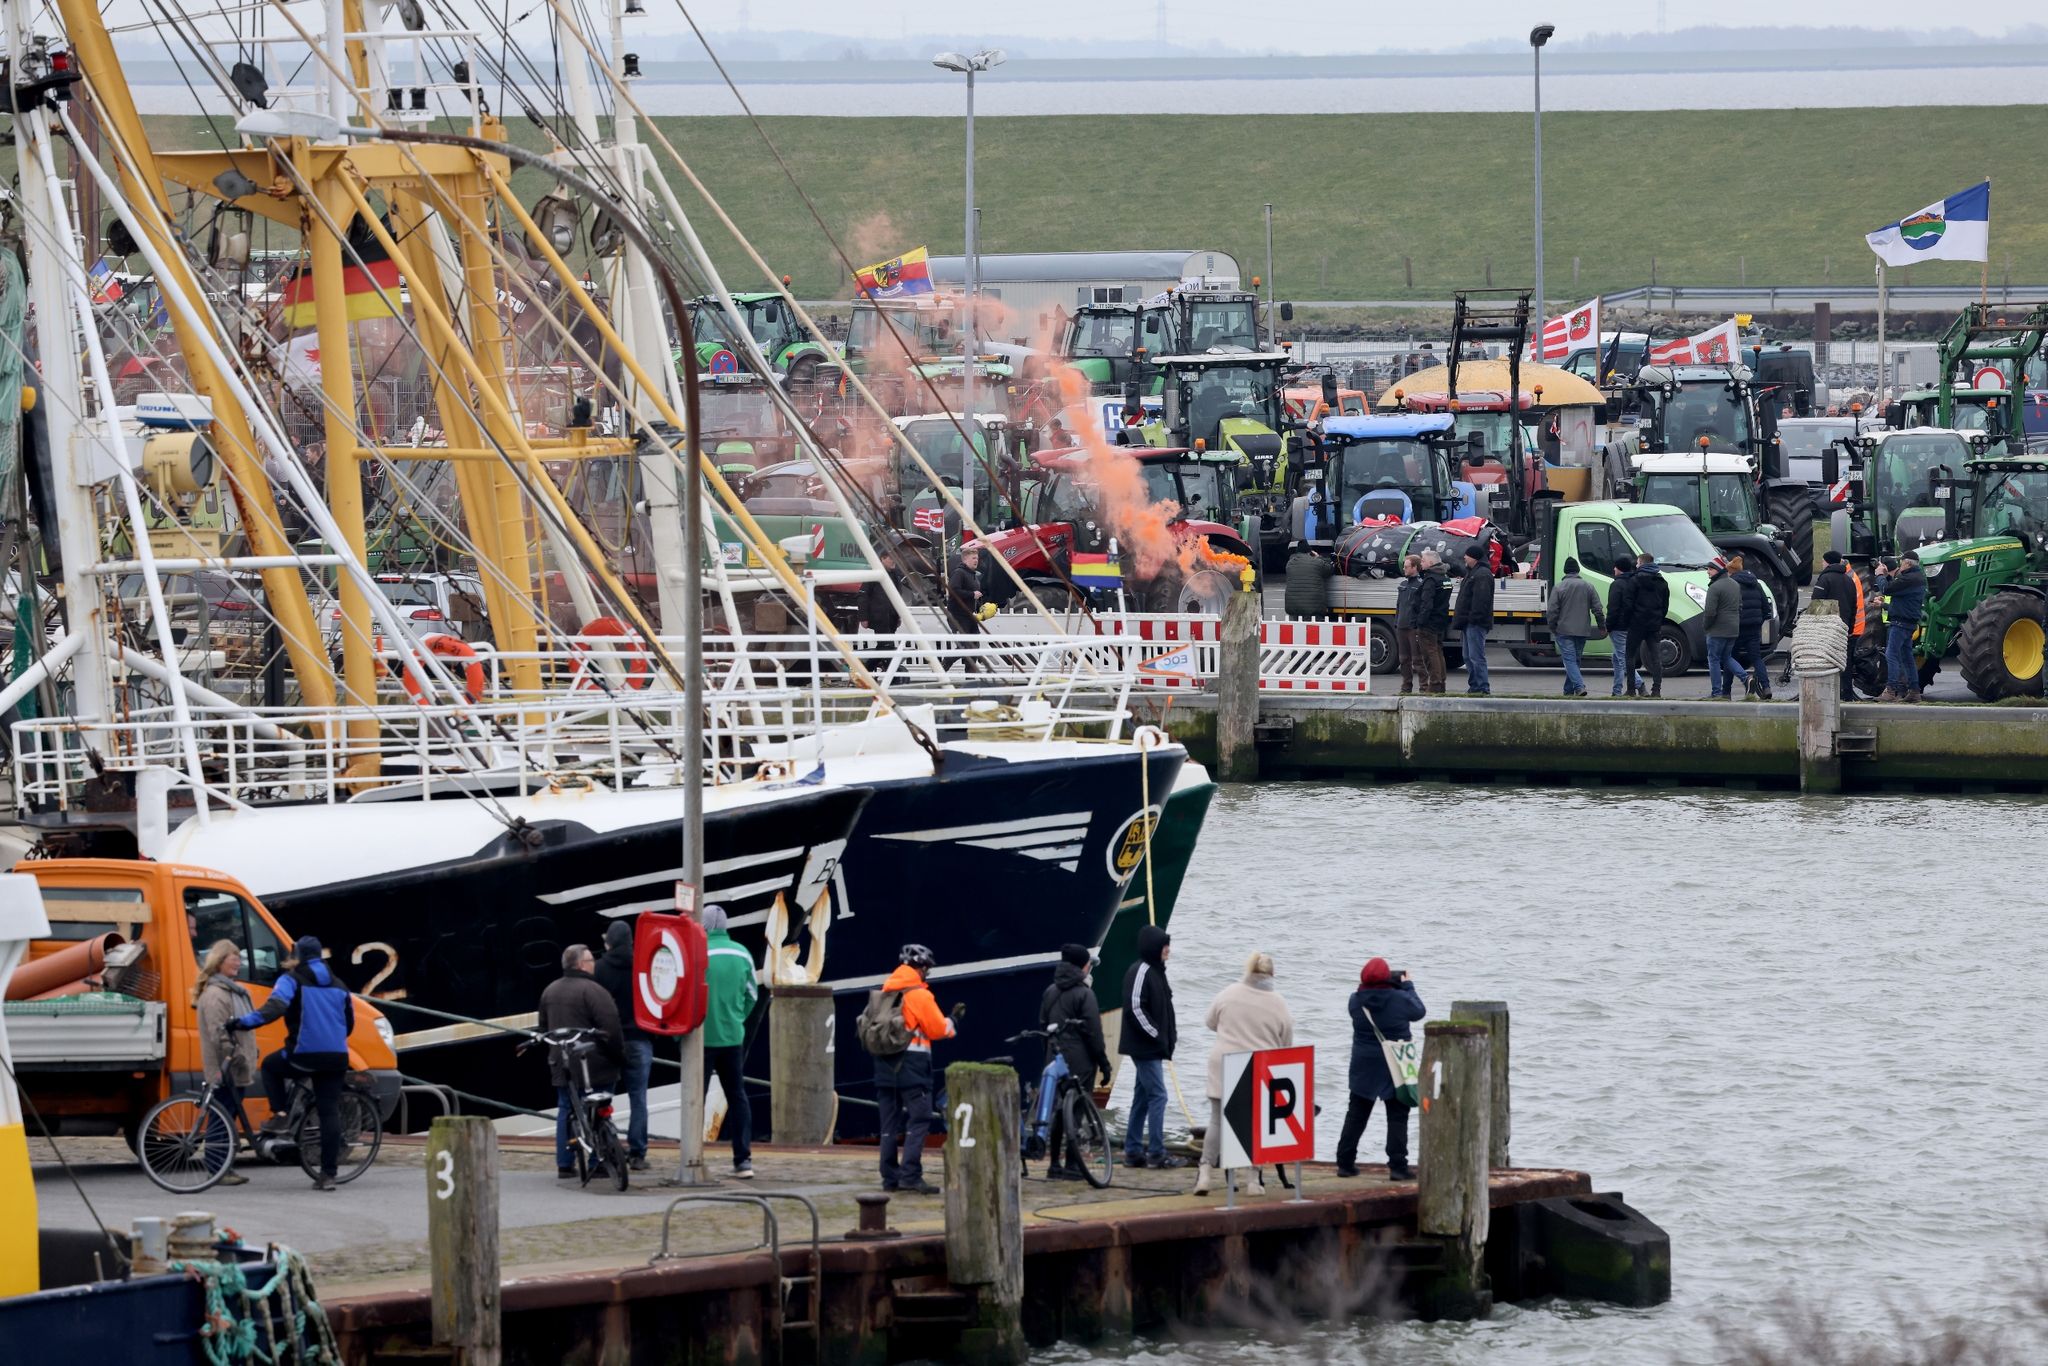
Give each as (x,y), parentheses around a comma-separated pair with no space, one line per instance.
(275,1323)
(1821,644)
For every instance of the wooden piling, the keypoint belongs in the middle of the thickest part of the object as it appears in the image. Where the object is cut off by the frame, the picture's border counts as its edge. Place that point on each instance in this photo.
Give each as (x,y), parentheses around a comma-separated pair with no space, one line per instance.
(1452,1198)
(462,1237)
(1237,690)
(802,1106)
(984,1208)
(1820,726)
(1494,1015)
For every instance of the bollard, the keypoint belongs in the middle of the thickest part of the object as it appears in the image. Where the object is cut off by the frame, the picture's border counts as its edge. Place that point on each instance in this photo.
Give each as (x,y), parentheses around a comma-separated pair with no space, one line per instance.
(192,1238)
(1453,1196)
(874,1218)
(802,1105)
(149,1246)
(1820,726)
(1237,690)
(1494,1015)
(462,1236)
(984,1208)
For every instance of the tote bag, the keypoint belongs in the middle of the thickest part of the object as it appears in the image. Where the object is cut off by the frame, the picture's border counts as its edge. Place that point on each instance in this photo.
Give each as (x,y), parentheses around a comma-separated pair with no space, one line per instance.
(1404,1064)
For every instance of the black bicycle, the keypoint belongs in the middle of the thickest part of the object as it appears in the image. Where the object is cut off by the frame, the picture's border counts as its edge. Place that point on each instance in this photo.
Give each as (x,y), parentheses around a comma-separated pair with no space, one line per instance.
(1080,1137)
(591,1135)
(188,1141)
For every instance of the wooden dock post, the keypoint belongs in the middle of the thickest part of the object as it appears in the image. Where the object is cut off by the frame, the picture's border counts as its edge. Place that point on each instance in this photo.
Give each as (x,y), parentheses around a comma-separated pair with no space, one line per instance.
(802,1107)
(1237,690)
(1454,1197)
(1820,726)
(462,1236)
(1494,1015)
(984,1209)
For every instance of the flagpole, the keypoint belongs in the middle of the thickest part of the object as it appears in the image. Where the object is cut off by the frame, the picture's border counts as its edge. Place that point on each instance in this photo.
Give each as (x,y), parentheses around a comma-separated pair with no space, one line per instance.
(1880,333)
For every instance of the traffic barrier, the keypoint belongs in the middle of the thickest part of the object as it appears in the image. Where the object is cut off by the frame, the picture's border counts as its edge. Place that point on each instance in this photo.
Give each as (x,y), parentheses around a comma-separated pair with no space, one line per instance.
(1294,656)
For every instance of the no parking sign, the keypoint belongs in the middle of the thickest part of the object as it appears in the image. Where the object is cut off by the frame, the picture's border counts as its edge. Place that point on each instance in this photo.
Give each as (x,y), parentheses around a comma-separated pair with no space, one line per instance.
(1269,1107)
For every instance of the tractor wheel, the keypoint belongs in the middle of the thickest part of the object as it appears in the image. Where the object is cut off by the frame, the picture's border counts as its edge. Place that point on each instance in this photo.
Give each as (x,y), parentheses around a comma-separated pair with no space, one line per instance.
(1200,594)
(1867,669)
(1792,511)
(1784,593)
(1057,595)
(803,371)
(1531,658)
(2000,646)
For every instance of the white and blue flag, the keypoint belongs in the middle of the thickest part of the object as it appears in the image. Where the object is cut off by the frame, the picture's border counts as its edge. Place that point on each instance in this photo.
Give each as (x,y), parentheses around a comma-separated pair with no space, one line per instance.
(1956,229)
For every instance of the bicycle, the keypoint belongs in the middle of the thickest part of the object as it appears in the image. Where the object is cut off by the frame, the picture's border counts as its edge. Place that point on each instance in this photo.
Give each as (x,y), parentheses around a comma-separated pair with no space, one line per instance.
(188,1141)
(591,1136)
(1084,1136)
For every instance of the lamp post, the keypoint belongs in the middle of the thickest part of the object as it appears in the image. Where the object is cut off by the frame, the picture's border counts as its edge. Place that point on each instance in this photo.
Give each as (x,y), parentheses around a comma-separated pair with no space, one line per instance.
(970,267)
(1538,36)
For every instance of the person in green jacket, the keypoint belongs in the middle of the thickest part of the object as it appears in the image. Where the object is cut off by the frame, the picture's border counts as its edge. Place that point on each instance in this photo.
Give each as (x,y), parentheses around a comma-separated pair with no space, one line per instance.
(729,979)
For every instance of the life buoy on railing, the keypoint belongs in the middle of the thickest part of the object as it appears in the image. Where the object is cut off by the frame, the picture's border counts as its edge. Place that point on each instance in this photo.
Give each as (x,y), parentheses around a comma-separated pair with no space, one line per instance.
(449,648)
(639,668)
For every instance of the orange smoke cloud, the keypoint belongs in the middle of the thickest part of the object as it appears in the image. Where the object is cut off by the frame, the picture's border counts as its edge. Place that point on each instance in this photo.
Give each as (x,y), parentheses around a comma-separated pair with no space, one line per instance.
(1141,526)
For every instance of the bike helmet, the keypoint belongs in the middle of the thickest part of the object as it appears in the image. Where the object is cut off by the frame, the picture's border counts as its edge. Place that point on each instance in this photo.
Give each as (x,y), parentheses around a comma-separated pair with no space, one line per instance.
(918,956)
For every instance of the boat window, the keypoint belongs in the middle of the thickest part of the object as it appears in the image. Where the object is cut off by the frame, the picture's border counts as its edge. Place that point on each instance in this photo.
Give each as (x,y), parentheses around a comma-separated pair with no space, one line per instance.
(213,913)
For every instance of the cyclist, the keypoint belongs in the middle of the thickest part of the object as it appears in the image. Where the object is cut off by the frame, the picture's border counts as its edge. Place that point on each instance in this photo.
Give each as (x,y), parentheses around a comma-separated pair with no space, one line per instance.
(318,1012)
(575,1000)
(1080,1051)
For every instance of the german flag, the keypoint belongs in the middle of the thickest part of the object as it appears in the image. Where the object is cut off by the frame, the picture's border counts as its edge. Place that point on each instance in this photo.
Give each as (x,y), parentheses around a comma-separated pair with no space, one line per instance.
(361,284)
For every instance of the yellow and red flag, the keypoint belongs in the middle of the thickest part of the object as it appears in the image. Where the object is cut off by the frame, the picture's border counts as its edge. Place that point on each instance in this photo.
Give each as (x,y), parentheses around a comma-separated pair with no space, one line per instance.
(360,283)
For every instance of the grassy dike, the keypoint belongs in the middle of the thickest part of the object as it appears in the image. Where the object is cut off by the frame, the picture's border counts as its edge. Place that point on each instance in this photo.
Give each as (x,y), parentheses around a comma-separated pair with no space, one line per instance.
(1792,191)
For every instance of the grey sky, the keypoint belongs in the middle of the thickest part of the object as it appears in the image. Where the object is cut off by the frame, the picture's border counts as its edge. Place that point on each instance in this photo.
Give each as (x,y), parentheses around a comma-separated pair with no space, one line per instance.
(1336,25)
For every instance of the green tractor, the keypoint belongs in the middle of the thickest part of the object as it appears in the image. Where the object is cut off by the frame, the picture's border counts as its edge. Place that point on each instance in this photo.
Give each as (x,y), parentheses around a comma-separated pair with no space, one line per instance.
(1680,407)
(1987,585)
(1988,356)
(1115,344)
(1230,401)
(774,328)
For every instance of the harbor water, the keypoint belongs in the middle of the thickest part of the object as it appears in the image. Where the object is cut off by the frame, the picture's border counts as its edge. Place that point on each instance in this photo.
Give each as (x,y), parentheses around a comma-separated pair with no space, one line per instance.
(1800,1034)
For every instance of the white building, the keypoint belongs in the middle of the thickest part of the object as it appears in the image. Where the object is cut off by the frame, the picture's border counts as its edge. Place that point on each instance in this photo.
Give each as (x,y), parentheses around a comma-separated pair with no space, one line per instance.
(1030,283)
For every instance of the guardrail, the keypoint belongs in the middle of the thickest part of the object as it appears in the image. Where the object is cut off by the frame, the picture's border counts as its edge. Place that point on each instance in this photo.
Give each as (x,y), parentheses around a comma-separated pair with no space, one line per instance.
(1294,656)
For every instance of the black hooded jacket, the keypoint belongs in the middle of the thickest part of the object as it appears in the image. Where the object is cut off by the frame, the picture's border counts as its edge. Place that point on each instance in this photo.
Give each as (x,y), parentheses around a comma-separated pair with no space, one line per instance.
(1649,601)
(614,972)
(1148,1031)
(1755,609)
(1071,998)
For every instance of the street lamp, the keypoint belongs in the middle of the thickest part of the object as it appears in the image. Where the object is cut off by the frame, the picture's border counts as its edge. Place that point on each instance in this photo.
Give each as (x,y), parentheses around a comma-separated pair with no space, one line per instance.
(1538,36)
(970,268)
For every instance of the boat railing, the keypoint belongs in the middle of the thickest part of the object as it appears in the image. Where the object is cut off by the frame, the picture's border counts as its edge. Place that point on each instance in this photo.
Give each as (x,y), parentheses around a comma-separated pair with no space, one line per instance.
(768,703)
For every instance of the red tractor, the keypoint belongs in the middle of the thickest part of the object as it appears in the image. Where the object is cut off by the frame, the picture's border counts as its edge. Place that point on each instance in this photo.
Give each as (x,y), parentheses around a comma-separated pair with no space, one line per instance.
(1074,517)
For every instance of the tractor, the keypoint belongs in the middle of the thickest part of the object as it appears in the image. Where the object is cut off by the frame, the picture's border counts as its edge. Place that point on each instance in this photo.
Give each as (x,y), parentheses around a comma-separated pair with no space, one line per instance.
(1678,407)
(775,330)
(1230,402)
(1116,344)
(1987,584)
(1717,493)
(1395,468)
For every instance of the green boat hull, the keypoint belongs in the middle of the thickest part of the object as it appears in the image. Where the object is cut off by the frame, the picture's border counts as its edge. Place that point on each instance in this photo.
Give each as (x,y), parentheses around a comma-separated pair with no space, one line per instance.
(1173,845)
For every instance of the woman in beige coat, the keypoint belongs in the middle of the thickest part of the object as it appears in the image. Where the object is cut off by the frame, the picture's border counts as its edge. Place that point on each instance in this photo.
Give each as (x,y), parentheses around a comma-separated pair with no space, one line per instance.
(1246,1016)
(218,998)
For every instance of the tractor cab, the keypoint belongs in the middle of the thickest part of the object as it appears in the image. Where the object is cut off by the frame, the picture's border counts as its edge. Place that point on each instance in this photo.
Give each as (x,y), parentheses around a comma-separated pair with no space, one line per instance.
(1202,321)
(772,325)
(1393,469)
(1903,486)
(1714,489)
(1102,342)
(1676,405)
(937,437)
(1970,410)
(1230,402)
(743,429)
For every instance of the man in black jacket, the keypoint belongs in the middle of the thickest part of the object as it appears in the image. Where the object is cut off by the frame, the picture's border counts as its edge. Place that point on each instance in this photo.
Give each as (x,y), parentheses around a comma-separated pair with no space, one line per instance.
(963,590)
(1070,1002)
(1147,1039)
(1620,609)
(1749,626)
(1649,602)
(1839,584)
(1436,619)
(1473,617)
(575,1001)
(1411,601)
(615,974)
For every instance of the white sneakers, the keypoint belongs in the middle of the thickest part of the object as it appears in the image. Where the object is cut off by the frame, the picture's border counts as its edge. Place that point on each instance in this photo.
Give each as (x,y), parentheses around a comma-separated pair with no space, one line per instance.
(1256,1186)
(1202,1179)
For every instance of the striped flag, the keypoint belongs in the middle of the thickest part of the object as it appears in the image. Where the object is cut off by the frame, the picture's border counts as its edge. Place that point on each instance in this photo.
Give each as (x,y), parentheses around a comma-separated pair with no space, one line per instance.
(361,284)
(1095,571)
(1715,346)
(1562,336)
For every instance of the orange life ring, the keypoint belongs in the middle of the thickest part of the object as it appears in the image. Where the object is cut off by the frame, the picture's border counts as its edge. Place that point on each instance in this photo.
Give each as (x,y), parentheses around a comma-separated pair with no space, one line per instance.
(639,668)
(448,647)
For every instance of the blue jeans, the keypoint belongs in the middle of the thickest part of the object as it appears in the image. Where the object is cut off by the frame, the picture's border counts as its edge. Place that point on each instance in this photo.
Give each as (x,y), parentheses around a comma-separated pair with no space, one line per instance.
(1048,1087)
(1898,657)
(1476,679)
(639,1064)
(1619,640)
(1148,1106)
(1570,647)
(565,1156)
(1722,666)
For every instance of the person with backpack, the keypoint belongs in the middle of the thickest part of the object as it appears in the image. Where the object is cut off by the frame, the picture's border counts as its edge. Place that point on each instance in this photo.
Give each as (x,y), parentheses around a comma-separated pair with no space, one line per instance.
(1079,1050)
(319,1013)
(897,1028)
(1147,1039)
(729,999)
(1382,1009)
